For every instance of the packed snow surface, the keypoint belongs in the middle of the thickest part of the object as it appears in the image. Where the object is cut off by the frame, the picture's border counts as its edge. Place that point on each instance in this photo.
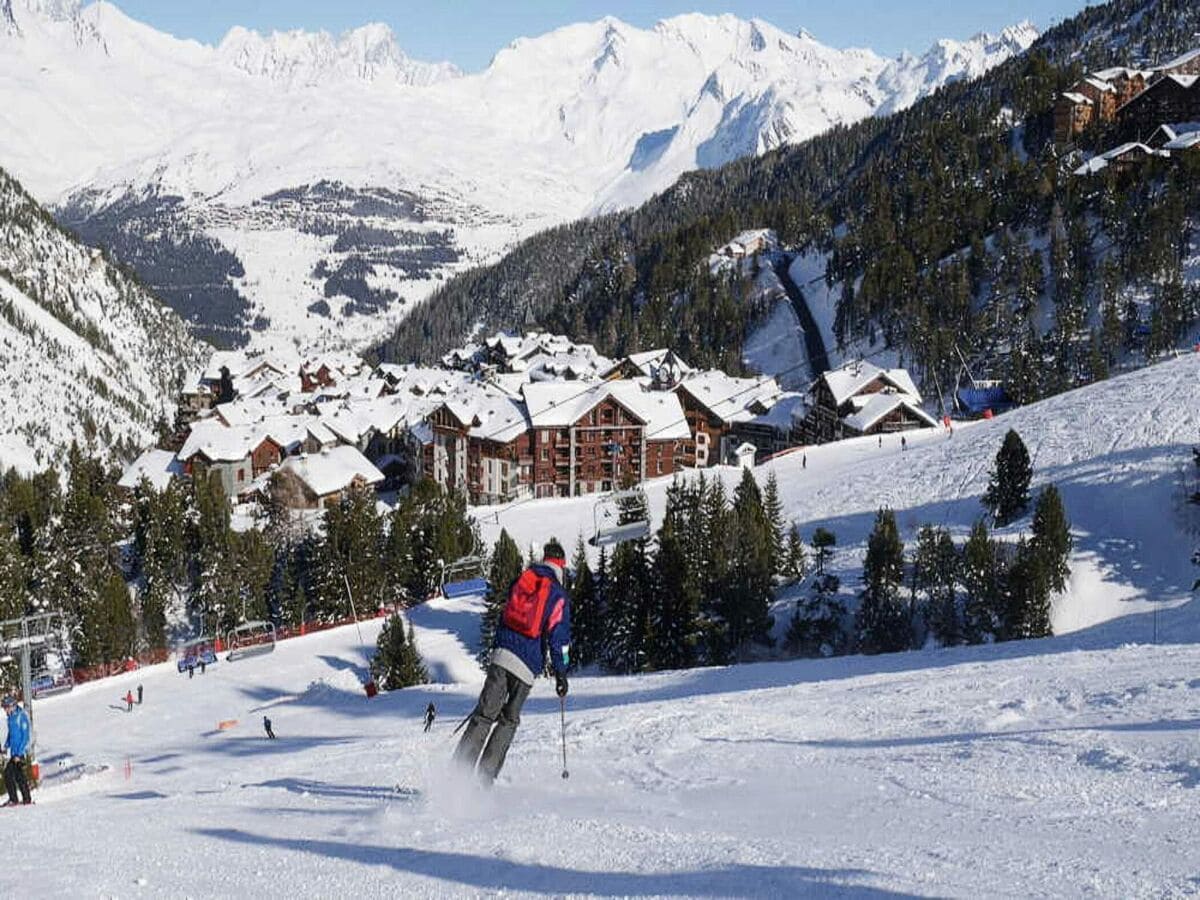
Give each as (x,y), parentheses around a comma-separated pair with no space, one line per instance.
(1063,766)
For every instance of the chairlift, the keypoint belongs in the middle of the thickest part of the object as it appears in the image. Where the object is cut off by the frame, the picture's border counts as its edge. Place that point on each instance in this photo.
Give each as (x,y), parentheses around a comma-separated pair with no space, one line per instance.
(465,576)
(616,532)
(250,639)
(196,651)
(50,674)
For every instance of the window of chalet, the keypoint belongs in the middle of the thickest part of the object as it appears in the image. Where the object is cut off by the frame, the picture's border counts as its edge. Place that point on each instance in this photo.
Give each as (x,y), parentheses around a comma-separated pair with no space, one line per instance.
(545,453)
(241,476)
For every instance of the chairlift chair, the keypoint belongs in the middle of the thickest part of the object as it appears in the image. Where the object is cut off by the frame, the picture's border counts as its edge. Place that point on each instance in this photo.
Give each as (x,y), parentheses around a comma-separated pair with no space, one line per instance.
(250,639)
(194,652)
(608,535)
(50,675)
(464,577)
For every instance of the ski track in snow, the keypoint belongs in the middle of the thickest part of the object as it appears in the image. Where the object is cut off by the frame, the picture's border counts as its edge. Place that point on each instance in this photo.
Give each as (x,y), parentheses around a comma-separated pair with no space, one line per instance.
(1065,766)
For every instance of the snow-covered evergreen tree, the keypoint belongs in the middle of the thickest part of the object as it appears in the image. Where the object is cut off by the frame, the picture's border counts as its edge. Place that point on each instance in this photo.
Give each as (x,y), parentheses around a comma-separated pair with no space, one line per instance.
(506,566)
(397,662)
(883,623)
(1007,494)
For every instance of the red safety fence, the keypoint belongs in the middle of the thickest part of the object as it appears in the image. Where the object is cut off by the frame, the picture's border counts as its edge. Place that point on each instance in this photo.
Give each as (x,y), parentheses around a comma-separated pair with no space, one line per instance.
(153,657)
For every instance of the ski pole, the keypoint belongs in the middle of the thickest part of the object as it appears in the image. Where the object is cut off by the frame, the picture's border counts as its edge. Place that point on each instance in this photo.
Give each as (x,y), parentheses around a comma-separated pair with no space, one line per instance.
(462,723)
(562,714)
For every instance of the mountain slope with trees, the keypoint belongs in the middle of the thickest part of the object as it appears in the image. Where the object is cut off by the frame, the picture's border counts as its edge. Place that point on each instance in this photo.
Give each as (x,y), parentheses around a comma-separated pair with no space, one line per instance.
(87,353)
(948,227)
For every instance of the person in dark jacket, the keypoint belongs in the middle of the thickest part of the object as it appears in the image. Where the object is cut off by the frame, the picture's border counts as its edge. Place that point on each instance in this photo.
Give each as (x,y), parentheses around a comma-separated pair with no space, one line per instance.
(268,729)
(139,695)
(16,745)
(536,618)
(430,715)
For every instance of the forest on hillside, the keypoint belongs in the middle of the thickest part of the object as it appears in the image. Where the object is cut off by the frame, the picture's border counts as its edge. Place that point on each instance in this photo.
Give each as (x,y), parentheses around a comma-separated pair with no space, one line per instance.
(951,229)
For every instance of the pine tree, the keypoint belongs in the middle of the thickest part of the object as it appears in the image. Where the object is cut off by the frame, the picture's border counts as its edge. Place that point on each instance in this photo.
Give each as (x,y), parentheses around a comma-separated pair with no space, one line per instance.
(1028,594)
(818,624)
(629,596)
(773,510)
(883,621)
(505,569)
(795,560)
(13,576)
(397,663)
(586,614)
(823,542)
(1052,537)
(351,552)
(983,592)
(750,591)
(935,580)
(1007,494)
(676,589)
(713,551)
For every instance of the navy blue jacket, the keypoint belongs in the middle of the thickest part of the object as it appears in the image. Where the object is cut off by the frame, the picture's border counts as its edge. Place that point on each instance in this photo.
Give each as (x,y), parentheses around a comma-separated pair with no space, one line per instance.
(556,630)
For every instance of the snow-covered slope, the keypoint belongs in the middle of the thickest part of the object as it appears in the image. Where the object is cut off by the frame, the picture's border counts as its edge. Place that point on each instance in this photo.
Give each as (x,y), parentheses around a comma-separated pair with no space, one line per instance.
(1042,768)
(310,187)
(1116,450)
(85,353)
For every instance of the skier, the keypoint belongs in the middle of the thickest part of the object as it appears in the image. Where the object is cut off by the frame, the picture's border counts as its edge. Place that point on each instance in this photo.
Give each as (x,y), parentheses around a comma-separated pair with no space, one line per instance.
(803,460)
(139,695)
(202,665)
(129,701)
(881,440)
(903,442)
(537,614)
(430,714)
(16,745)
(267,728)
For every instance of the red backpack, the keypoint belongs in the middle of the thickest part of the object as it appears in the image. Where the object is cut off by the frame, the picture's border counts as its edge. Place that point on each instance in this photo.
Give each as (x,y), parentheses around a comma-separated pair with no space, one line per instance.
(526,605)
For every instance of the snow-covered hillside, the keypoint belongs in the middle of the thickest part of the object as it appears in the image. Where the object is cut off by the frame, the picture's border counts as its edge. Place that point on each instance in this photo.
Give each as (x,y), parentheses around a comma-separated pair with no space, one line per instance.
(1116,450)
(1063,766)
(86,354)
(299,186)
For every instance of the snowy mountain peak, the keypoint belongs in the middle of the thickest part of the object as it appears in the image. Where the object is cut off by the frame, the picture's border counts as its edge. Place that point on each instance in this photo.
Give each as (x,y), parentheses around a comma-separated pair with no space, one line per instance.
(303,58)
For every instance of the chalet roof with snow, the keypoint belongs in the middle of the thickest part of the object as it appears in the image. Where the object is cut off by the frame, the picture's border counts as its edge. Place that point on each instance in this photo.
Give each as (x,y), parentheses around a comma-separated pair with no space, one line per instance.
(1075,98)
(562,404)
(332,470)
(646,362)
(731,399)
(851,378)
(217,442)
(1100,84)
(1182,60)
(1184,141)
(877,406)
(660,410)
(1101,162)
(155,466)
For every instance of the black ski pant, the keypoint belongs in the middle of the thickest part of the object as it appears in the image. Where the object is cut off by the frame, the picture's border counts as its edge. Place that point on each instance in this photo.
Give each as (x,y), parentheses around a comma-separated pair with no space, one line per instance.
(494,721)
(14,780)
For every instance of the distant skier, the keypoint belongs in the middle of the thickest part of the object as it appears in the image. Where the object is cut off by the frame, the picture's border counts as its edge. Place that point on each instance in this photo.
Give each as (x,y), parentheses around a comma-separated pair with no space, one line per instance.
(537,614)
(430,715)
(903,442)
(203,664)
(139,695)
(191,670)
(16,745)
(267,728)
(129,701)
(881,440)
(803,460)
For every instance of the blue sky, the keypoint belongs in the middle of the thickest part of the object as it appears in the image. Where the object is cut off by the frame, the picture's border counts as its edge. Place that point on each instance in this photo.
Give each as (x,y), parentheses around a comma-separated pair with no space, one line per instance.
(468,32)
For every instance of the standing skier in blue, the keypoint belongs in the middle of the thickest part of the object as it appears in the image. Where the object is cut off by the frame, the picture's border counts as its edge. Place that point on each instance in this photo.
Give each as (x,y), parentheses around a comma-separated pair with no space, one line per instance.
(16,745)
(536,618)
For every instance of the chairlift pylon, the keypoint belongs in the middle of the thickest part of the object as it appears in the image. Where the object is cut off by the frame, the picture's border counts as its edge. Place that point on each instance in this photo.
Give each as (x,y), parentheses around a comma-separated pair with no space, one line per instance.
(250,639)
(618,532)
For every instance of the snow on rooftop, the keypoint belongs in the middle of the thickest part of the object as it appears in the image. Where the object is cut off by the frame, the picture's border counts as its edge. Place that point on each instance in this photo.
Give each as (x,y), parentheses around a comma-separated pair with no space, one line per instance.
(155,466)
(1182,59)
(851,378)
(332,470)
(728,398)
(879,405)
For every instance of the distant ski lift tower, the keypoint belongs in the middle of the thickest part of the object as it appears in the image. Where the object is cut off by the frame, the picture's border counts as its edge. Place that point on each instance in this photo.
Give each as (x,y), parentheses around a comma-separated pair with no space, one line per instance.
(39,643)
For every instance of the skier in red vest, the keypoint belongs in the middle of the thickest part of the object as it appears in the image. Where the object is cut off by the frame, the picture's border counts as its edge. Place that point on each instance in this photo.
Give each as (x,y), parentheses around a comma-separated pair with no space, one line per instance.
(129,701)
(536,615)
